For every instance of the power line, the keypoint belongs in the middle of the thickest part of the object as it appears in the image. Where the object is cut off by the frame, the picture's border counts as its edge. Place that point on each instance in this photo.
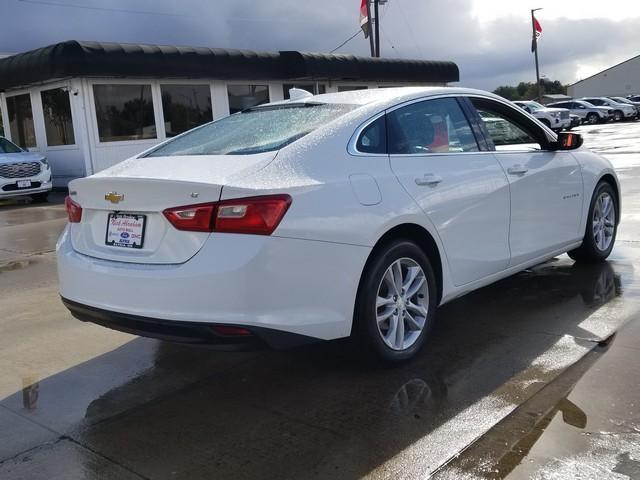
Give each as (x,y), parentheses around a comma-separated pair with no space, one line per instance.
(417,45)
(347,40)
(103,9)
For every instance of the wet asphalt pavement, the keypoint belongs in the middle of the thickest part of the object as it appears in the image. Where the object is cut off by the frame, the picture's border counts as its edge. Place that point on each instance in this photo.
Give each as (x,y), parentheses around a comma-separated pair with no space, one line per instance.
(535,376)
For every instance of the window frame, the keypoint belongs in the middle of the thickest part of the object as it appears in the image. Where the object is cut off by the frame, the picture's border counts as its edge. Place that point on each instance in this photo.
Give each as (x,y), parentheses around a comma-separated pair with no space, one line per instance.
(539,132)
(156,111)
(67,146)
(467,110)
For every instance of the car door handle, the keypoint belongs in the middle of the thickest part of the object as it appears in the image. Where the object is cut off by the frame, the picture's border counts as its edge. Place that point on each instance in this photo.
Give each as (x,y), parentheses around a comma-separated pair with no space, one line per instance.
(429,180)
(517,170)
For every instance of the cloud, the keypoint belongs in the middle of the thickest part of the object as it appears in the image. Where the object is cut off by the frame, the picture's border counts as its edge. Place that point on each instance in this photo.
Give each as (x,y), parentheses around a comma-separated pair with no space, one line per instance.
(489,53)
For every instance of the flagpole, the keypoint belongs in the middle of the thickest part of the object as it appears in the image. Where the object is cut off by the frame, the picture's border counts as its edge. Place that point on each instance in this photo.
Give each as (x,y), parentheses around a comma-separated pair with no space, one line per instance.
(369,23)
(535,51)
(375,8)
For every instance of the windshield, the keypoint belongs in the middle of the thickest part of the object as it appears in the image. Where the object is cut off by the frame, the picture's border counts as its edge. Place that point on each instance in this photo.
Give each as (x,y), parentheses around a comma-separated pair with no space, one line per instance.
(258,130)
(7,147)
(535,105)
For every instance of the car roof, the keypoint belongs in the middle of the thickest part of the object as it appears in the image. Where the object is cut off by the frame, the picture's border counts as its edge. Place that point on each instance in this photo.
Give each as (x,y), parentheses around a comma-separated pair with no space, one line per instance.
(390,95)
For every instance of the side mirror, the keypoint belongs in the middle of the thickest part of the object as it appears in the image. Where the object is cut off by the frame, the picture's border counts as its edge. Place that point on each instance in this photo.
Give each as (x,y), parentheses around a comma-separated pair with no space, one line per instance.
(568,141)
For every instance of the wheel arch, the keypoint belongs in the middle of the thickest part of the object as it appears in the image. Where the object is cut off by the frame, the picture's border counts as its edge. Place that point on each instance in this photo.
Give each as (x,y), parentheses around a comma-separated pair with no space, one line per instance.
(423,238)
(611,180)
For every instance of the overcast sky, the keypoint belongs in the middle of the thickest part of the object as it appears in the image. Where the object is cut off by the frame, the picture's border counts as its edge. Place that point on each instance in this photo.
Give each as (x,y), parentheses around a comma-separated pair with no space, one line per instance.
(489,39)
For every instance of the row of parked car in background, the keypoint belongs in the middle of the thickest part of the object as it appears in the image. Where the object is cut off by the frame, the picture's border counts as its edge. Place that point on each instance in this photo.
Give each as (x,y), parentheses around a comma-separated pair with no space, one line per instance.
(567,114)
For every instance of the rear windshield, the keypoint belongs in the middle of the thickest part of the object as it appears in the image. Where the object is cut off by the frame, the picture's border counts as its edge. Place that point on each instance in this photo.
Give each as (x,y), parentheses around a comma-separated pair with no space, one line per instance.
(261,129)
(7,147)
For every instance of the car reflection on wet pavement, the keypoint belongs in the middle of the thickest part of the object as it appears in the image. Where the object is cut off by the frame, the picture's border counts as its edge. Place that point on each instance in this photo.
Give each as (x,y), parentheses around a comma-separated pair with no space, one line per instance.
(508,367)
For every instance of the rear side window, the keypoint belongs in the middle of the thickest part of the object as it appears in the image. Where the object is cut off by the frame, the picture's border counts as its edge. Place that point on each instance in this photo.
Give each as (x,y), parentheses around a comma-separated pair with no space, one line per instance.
(432,126)
(373,138)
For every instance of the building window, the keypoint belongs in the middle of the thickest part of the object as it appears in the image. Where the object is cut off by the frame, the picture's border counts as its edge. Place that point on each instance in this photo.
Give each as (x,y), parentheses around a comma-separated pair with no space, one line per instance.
(57,117)
(313,88)
(124,112)
(21,120)
(185,107)
(242,97)
(349,88)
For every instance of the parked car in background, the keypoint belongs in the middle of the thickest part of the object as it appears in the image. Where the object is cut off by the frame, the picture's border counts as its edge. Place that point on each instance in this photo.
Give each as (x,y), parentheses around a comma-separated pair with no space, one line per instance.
(621,111)
(588,112)
(576,121)
(336,215)
(634,98)
(23,173)
(554,118)
(626,101)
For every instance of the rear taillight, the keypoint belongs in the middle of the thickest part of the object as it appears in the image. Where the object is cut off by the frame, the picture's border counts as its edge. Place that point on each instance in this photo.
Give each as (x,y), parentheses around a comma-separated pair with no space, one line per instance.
(192,218)
(74,210)
(252,215)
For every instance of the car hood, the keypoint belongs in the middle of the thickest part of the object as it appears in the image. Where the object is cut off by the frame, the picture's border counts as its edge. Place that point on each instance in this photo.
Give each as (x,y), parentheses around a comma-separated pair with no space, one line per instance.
(21,157)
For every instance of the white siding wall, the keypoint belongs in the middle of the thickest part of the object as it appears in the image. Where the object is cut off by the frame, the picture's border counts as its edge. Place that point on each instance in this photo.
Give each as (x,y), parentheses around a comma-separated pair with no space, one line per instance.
(621,80)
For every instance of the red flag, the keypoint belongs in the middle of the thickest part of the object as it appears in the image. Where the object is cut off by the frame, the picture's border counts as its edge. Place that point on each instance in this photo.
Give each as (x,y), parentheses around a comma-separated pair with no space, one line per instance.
(364,18)
(537,33)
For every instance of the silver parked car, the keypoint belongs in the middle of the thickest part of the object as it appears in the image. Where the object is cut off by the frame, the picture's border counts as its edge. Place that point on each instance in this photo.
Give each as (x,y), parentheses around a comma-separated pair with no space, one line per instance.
(627,101)
(621,111)
(588,112)
(23,173)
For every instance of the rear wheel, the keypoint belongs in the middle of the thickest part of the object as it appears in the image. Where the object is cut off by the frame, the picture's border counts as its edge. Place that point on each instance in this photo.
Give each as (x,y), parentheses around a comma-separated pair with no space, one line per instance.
(592,118)
(602,226)
(396,302)
(40,197)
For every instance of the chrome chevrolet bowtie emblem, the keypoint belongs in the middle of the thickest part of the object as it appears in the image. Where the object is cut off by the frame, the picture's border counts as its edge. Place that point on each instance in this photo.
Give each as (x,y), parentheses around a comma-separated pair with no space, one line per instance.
(114,197)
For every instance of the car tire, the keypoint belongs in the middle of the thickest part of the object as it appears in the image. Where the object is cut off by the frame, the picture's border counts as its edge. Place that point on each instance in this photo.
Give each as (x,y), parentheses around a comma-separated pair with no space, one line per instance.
(40,197)
(593,118)
(618,116)
(396,302)
(602,226)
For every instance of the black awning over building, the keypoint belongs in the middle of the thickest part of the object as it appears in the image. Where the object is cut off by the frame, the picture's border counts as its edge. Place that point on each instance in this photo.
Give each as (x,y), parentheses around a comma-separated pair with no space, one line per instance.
(98,59)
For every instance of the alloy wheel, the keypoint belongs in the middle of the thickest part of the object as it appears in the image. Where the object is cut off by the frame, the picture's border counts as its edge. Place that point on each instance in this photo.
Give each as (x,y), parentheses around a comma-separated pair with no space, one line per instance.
(402,304)
(604,221)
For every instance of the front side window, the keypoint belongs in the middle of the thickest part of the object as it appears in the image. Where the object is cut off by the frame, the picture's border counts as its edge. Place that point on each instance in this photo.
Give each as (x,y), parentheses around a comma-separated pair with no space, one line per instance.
(7,147)
(258,130)
(57,117)
(242,97)
(502,129)
(185,107)
(124,112)
(21,120)
(432,126)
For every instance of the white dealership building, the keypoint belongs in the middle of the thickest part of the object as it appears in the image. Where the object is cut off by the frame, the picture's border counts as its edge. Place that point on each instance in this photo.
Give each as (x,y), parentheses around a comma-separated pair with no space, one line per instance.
(90,105)
(617,81)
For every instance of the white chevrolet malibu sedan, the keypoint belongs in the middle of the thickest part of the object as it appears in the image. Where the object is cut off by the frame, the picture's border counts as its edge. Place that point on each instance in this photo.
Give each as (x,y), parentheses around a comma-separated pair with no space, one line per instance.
(345,214)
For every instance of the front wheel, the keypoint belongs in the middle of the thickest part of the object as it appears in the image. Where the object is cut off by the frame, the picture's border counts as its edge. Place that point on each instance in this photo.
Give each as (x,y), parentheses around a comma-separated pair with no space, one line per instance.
(396,302)
(592,118)
(602,226)
(618,116)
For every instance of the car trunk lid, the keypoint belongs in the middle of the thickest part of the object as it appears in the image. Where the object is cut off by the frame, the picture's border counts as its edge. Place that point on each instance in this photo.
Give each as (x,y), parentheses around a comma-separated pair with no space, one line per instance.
(122,207)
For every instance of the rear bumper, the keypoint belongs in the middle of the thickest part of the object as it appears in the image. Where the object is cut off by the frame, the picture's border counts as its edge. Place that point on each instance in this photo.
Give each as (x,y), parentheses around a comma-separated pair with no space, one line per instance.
(256,282)
(185,332)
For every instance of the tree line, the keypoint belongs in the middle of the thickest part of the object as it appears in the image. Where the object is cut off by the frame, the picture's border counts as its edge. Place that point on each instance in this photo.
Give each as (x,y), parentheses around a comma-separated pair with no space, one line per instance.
(528,90)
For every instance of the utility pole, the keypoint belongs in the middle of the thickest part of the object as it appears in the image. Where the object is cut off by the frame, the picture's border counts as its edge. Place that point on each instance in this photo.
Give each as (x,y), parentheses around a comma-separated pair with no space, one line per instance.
(535,51)
(369,27)
(375,9)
